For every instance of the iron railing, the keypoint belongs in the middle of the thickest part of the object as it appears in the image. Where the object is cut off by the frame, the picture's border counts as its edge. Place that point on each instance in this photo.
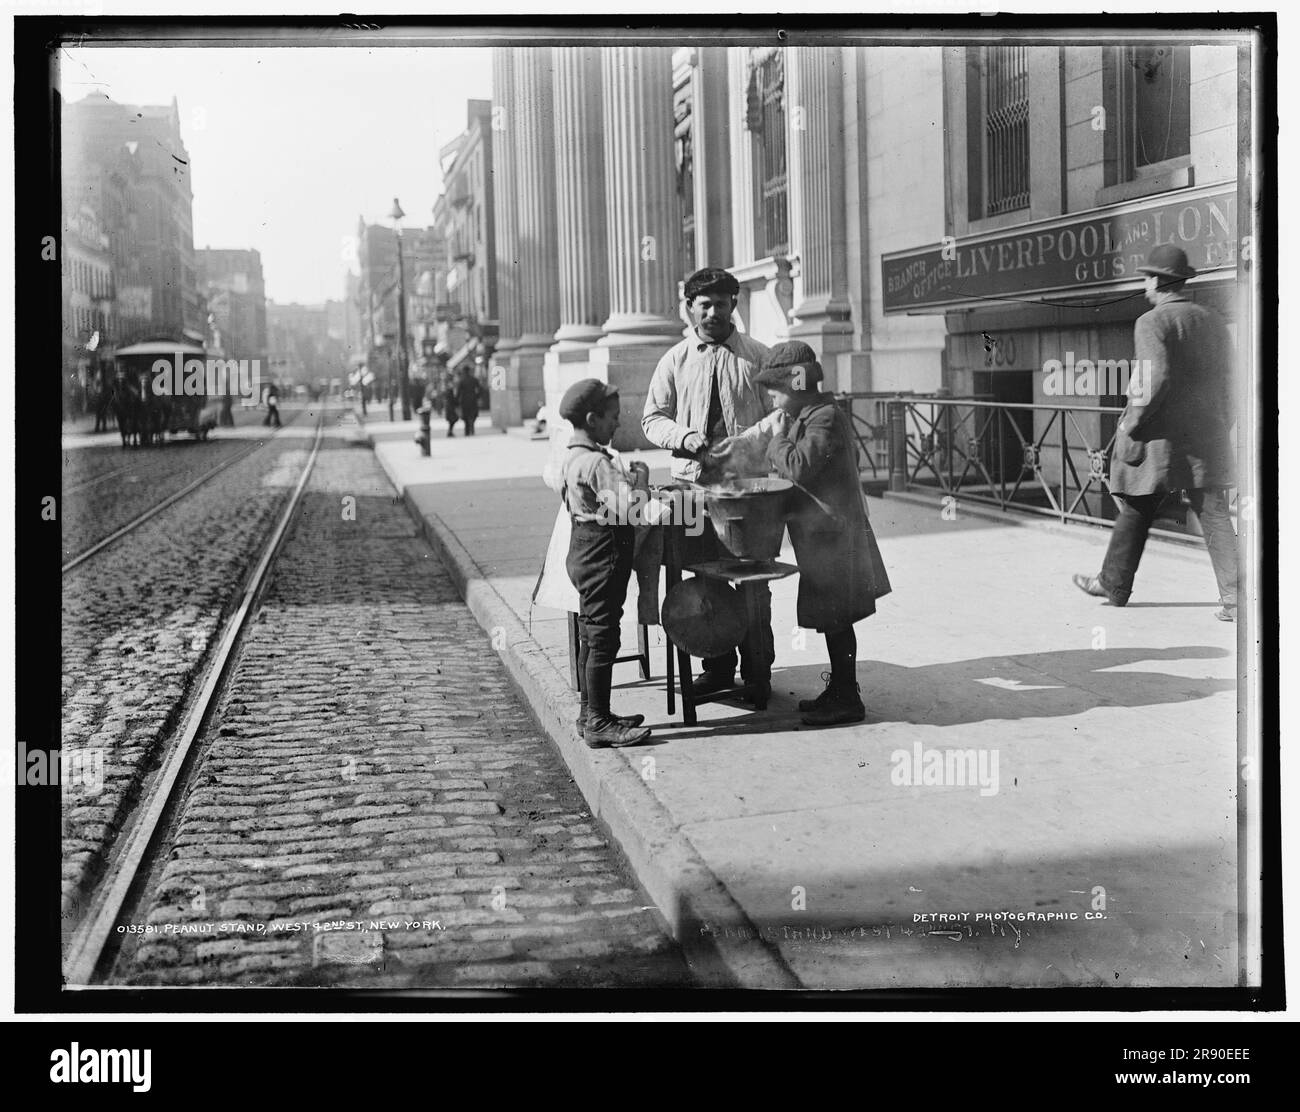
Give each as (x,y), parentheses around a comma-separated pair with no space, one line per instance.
(1052,460)
(868,414)
(1046,459)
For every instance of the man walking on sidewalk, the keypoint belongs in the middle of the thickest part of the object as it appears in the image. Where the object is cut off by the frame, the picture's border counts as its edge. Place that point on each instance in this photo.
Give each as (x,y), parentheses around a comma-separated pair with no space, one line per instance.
(702,392)
(1173,434)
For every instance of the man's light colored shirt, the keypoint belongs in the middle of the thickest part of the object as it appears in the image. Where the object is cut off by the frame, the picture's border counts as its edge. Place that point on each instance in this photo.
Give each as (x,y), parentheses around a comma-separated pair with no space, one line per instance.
(677,402)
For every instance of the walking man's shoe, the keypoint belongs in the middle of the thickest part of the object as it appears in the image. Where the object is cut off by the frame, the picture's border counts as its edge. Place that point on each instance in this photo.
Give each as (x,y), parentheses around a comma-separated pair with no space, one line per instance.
(710,683)
(843,706)
(613,734)
(1091,585)
(1226,613)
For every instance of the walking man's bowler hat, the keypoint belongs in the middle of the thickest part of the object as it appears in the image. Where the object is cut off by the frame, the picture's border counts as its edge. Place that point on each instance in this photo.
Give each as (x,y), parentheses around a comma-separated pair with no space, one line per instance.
(1168,261)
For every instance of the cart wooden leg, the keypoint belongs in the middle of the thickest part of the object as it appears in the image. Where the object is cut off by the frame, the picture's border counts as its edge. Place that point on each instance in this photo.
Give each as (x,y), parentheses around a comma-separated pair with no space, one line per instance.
(643,649)
(672,679)
(688,687)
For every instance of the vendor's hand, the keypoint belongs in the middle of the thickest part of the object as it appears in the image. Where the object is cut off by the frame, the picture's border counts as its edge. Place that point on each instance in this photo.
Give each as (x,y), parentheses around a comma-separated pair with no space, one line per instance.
(694,442)
(640,472)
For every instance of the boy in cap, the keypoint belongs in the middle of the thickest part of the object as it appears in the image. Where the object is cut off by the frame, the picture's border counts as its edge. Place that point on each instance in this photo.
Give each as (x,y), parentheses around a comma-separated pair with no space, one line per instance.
(809,440)
(600,554)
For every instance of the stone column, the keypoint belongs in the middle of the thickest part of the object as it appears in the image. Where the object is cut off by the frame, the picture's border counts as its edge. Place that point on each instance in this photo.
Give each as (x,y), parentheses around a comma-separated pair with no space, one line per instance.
(644,226)
(814,112)
(741,150)
(505,402)
(579,217)
(641,195)
(580,195)
(533,147)
(711,143)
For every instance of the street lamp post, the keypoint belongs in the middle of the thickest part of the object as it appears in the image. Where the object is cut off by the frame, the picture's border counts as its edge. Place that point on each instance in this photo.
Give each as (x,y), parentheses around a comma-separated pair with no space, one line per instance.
(403,378)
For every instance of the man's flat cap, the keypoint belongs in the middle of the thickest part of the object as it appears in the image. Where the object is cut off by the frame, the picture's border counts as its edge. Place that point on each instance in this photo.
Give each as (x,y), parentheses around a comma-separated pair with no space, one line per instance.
(586,396)
(790,366)
(713,280)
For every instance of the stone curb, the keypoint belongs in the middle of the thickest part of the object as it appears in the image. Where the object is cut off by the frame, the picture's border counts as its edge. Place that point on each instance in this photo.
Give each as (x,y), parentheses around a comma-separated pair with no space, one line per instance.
(721,945)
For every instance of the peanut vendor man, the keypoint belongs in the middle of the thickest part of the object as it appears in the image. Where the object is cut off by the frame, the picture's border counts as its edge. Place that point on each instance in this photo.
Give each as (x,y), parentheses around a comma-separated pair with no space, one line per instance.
(702,392)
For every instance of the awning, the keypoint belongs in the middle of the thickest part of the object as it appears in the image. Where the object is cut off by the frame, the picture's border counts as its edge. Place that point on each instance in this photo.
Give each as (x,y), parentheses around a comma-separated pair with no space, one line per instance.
(163,347)
(461,355)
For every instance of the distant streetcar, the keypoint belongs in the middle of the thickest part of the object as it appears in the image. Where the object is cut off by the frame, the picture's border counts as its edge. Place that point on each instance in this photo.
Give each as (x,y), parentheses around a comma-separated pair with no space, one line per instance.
(145,415)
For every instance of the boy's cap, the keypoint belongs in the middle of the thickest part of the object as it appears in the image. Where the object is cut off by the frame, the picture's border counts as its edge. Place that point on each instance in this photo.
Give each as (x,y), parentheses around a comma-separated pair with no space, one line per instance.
(780,366)
(586,396)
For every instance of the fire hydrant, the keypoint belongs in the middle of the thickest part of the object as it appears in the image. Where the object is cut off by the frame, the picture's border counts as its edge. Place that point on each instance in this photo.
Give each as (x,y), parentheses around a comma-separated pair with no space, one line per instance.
(422,437)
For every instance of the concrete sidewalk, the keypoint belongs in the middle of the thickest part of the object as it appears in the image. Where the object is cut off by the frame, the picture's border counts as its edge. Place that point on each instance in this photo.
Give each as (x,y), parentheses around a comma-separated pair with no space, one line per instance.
(1071,816)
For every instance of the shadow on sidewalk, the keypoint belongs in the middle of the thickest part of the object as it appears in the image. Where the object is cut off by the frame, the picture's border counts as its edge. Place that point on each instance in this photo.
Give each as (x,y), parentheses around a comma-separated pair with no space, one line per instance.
(1032,685)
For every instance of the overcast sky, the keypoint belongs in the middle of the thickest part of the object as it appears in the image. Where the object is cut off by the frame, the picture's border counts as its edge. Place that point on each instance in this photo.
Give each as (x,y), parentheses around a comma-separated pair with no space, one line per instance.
(288,146)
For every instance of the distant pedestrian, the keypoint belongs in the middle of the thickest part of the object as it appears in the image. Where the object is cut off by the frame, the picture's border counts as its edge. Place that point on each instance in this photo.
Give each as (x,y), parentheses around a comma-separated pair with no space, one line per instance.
(272,406)
(1174,433)
(450,403)
(467,398)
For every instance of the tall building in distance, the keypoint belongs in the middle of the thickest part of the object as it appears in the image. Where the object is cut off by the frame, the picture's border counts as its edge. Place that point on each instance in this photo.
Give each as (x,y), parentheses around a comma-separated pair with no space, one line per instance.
(231,281)
(376,292)
(130,165)
(463,215)
(303,348)
(89,314)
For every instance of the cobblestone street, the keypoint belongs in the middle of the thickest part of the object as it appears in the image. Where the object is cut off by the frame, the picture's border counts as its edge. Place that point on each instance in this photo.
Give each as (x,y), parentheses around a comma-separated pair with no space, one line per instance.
(372,770)
(138,616)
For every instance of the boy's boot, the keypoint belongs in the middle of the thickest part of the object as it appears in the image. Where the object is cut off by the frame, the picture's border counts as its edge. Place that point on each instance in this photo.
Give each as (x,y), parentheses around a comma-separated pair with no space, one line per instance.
(603,730)
(827,696)
(844,705)
(627,720)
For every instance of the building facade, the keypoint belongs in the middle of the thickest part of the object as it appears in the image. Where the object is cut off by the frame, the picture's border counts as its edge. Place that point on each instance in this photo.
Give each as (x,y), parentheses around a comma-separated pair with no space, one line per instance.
(304,348)
(130,164)
(89,314)
(1063,167)
(376,294)
(232,284)
(467,311)
(628,167)
(837,183)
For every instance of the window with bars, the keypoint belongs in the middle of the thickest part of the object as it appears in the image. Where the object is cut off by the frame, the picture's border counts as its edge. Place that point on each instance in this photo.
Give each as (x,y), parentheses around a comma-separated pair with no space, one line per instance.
(765,118)
(1004,99)
(1151,90)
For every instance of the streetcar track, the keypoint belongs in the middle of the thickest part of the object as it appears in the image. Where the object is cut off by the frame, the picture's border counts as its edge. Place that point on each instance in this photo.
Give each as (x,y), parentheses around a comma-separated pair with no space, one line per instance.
(87,483)
(95,935)
(170,500)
